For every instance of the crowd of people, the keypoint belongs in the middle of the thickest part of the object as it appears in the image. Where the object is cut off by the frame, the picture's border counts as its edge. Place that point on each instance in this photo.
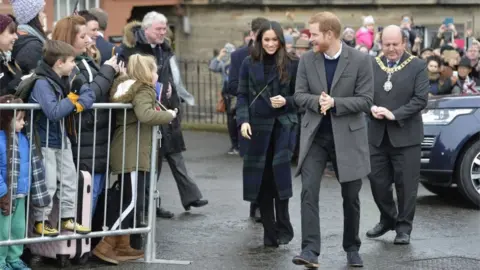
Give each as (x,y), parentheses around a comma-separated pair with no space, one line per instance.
(65,72)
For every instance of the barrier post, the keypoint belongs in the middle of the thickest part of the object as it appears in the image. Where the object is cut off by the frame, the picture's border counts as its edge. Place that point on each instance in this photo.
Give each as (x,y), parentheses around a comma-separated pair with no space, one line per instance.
(150,249)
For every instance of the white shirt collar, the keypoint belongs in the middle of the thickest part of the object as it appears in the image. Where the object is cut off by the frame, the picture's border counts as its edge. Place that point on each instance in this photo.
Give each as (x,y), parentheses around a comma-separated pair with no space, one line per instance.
(101,34)
(337,55)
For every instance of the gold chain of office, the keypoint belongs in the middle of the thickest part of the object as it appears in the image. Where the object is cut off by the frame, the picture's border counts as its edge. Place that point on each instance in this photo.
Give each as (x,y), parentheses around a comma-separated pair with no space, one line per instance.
(394,69)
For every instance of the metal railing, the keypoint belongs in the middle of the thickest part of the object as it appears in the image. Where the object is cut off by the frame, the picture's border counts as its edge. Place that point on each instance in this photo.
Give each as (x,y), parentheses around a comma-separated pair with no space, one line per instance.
(205,86)
(111,108)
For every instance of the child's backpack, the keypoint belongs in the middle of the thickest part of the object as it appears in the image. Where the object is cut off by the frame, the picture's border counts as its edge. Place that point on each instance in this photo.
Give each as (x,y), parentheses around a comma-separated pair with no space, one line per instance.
(24,89)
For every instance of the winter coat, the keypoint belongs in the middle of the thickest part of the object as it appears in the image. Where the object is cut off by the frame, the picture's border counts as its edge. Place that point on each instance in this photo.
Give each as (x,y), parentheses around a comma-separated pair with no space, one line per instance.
(50,92)
(134,41)
(254,107)
(364,36)
(27,50)
(99,80)
(10,75)
(23,183)
(145,111)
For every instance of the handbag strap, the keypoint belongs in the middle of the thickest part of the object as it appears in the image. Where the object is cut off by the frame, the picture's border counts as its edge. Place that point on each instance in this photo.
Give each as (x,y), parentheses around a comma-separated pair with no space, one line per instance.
(264,88)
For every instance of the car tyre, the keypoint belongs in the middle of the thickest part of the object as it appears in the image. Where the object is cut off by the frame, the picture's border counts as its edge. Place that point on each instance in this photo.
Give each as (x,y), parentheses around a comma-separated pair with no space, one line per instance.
(463,175)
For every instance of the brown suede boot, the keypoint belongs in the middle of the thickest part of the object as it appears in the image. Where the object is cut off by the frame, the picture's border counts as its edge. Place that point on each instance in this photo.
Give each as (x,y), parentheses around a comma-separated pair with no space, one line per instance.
(105,250)
(125,252)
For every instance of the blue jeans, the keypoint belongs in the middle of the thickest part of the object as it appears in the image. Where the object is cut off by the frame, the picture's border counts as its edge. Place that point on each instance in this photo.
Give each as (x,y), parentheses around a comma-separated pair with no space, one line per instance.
(98,187)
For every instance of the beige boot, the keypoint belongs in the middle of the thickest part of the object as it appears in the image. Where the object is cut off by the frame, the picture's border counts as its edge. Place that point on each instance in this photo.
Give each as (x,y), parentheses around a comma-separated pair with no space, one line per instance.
(125,252)
(105,249)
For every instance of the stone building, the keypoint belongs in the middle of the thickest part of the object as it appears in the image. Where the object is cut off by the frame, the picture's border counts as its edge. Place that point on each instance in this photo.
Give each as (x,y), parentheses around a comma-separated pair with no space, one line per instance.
(198,26)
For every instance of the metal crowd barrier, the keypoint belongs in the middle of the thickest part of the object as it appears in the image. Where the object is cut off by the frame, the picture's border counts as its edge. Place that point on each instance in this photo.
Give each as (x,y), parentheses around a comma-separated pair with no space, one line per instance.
(150,246)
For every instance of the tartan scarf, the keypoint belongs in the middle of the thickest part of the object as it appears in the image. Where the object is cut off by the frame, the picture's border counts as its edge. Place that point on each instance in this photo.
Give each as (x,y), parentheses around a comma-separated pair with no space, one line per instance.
(38,188)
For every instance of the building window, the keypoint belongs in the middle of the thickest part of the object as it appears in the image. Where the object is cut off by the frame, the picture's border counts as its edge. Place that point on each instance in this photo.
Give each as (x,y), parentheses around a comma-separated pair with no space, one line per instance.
(65,8)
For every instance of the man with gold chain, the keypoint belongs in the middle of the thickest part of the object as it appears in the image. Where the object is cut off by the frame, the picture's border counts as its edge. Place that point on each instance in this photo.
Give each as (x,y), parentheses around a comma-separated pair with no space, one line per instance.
(395,134)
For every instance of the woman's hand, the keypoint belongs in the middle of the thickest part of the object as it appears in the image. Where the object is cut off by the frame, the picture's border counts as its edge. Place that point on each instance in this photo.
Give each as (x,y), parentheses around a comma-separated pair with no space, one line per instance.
(278,101)
(246,131)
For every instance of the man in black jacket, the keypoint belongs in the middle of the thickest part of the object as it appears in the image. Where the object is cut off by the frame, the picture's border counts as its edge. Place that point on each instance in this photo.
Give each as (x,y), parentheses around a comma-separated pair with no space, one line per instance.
(395,134)
(149,37)
(237,58)
(107,49)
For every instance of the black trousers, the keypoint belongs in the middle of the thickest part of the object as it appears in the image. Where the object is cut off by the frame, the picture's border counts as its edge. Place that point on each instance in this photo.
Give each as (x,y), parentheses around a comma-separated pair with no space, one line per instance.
(274,212)
(399,166)
(322,150)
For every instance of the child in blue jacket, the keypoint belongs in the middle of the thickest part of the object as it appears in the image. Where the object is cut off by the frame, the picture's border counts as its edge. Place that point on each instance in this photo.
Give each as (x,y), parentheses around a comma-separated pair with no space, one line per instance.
(15,183)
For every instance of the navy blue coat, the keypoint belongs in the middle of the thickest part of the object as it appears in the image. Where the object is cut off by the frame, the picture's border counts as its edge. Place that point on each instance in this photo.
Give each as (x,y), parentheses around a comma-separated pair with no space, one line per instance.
(105,49)
(236,60)
(261,116)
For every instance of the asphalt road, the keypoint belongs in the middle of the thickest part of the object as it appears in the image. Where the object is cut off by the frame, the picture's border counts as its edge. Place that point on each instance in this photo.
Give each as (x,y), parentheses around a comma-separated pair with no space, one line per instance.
(446,232)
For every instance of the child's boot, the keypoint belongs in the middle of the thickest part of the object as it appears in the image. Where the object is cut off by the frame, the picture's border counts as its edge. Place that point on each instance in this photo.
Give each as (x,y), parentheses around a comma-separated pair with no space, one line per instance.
(105,250)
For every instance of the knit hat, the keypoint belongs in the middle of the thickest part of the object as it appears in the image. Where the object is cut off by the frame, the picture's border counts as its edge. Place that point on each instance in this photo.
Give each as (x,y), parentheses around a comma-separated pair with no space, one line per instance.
(368,20)
(302,43)
(26,10)
(465,62)
(306,32)
(5,20)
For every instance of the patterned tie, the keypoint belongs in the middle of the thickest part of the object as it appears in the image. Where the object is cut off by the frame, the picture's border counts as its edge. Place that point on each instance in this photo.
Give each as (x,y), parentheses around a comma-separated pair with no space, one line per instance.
(391,64)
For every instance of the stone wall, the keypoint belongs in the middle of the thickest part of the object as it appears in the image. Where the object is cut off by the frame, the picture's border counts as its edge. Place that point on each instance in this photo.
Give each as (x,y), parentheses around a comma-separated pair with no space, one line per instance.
(214,25)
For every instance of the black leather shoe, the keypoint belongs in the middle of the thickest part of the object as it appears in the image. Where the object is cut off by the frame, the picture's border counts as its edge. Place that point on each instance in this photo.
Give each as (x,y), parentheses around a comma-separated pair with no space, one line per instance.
(162,213)
(402,239)
(197,203)
(307,259)
(379,230)
(354,259)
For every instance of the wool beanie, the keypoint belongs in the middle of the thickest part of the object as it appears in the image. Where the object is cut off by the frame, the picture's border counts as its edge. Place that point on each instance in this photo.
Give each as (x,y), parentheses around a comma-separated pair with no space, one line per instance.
(26,10)
(5,20)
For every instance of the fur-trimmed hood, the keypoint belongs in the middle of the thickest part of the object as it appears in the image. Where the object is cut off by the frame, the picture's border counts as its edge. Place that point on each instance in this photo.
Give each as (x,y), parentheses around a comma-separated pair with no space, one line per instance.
(134,35)
(123,90)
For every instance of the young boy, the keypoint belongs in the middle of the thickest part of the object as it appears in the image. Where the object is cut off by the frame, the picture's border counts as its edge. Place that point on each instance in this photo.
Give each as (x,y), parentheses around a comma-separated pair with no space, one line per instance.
(52,122)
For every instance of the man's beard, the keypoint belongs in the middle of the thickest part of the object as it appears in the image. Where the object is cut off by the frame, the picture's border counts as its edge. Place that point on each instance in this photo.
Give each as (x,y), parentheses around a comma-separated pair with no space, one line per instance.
(322,47)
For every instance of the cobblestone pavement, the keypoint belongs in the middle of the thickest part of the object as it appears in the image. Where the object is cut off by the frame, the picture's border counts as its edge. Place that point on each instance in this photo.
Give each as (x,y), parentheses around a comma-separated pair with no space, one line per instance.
(446,232)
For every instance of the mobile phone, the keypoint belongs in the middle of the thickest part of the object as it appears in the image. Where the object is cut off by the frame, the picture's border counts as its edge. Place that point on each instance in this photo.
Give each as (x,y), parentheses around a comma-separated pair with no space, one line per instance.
(448,20)
(455,74)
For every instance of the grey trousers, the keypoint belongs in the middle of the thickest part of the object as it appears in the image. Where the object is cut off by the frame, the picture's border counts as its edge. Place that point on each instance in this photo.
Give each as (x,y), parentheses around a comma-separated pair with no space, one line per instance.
(322,150)
(188,189)
(60,171)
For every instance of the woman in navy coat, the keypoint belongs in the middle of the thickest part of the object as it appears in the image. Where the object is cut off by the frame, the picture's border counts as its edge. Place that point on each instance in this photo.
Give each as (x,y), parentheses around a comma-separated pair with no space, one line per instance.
(267,116)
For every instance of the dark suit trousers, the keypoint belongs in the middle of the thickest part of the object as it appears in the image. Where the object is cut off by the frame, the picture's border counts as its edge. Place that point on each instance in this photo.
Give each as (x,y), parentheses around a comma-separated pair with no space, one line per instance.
(322,150)
(399,166)
(188,189)
(274,212)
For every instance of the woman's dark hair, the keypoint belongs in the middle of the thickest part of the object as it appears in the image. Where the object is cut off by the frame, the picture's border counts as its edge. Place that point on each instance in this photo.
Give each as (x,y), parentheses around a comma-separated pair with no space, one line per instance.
(282,57)
(37,25)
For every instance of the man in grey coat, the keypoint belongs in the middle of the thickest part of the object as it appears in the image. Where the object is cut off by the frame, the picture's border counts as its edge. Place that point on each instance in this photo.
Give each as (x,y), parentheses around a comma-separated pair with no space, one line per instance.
(335,87)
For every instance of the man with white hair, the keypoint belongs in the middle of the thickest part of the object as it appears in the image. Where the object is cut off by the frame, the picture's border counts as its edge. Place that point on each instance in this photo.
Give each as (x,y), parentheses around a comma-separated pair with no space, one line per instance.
(150,38)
